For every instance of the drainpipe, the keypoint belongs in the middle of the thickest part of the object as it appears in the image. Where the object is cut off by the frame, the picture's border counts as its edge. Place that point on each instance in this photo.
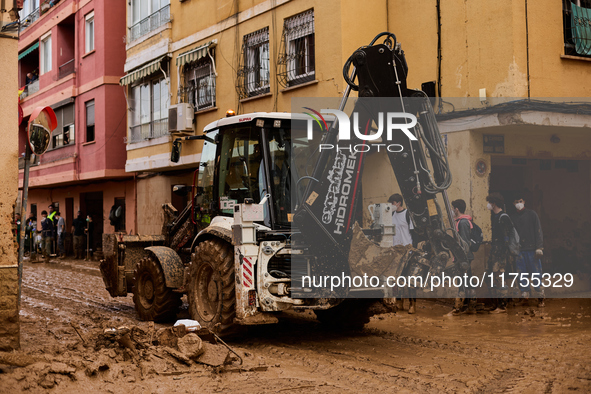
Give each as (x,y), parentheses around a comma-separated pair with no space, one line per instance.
(438,6)
(527,51)
(135,204)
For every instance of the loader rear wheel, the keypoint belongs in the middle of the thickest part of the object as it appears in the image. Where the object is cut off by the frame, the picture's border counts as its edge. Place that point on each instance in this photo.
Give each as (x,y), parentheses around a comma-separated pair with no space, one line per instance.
(153,300)
(211,292)
(351,314)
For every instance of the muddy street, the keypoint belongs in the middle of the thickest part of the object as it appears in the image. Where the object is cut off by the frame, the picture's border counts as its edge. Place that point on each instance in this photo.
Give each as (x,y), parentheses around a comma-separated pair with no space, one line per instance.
(527,350)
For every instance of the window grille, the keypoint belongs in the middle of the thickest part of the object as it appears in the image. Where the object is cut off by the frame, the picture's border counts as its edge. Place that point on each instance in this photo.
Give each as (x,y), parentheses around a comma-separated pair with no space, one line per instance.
(199,87)
(297,63)
(254,72)
(577,27)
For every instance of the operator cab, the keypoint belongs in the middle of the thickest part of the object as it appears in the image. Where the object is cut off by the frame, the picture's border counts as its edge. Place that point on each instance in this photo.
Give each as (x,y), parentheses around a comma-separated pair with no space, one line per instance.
(251,156)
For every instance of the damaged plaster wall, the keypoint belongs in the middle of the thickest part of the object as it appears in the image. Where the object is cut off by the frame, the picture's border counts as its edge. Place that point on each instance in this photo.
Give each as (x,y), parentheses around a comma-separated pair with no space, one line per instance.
(9,323)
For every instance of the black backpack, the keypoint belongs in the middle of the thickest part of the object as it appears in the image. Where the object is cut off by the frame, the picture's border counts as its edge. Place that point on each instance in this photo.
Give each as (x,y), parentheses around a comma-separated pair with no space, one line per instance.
(475,237)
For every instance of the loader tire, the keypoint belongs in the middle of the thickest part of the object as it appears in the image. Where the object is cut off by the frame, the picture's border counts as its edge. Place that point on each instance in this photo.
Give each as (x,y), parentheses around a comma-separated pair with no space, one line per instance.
(212,292)
(350,314)
(153,300)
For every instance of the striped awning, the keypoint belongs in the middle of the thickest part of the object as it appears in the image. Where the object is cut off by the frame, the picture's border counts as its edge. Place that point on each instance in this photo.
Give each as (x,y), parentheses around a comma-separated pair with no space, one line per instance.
(28,50)
(195,53)
(141,72)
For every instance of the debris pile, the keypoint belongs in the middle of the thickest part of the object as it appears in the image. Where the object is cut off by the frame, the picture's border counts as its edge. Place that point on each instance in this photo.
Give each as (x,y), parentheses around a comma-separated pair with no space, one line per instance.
(126,353)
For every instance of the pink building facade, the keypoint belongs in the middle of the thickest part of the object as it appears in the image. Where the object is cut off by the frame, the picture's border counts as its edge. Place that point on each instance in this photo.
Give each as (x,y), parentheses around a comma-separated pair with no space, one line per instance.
(71,57)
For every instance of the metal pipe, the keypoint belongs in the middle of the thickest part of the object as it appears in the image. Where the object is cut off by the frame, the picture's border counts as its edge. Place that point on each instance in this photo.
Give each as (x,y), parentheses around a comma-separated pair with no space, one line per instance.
(21,250)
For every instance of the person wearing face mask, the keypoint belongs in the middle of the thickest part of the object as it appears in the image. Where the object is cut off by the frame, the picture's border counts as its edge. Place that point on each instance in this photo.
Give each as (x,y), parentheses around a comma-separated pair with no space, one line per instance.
(500,259)
(527,224)
(403,226)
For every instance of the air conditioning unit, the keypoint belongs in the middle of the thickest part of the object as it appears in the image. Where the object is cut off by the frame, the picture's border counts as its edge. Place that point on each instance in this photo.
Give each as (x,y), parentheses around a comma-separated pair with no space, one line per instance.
(180,118)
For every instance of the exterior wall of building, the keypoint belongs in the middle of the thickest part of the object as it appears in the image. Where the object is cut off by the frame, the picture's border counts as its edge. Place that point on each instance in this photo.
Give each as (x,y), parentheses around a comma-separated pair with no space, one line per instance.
(492,45)
(95,77)
(152,192)
(110,190)
(9,312)
(510,48)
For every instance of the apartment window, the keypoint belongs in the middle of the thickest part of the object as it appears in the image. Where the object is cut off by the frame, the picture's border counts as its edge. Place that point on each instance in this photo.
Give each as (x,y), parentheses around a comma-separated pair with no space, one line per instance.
(254,75)
(577,27)
(297,62)
(90,32)
(63,135)
(90,121)
(200,83)
(45,54)
(149,113)
(147,15)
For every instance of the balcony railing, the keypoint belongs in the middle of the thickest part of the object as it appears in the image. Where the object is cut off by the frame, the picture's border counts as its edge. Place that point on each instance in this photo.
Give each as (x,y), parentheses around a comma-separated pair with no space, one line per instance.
(66,69)
(30,89)
(147,131)
(29,19)
(34,161)
(150,23)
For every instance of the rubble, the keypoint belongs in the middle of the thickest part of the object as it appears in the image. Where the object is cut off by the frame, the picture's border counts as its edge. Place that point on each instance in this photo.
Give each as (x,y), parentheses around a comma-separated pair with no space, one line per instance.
(191,346)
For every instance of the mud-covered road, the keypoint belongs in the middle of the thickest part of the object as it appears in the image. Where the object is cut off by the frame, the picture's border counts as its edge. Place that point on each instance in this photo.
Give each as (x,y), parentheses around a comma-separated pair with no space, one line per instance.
(528,350)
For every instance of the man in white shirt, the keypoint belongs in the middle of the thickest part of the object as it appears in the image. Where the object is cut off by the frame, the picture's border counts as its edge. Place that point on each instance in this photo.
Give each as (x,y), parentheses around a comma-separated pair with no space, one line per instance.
(401,219)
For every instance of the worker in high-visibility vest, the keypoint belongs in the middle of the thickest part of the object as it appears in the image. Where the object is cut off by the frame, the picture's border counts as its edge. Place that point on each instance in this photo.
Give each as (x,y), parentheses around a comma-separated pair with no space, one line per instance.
(51,216)
(47,234)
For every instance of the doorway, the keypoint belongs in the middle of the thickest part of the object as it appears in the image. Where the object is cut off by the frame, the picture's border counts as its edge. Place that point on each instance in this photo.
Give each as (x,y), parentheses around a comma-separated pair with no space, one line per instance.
(91,204)
(560,192)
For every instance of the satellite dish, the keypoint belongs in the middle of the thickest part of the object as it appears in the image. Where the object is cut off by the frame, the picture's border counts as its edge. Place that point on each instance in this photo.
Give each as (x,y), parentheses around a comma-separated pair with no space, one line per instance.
(118,211)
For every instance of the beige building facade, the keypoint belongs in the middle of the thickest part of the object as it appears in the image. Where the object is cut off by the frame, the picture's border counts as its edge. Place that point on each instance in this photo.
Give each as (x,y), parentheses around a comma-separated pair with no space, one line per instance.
(254,55)
(9,279)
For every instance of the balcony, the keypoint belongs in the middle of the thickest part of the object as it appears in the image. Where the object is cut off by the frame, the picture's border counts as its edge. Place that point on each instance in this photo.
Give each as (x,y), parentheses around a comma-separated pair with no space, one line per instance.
(66,69)
(34,161)
(30,89)
(148,131)
(30,19)
(150,23)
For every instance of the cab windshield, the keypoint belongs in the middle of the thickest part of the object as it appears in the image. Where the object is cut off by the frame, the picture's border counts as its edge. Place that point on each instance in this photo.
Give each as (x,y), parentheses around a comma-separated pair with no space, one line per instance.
(291,157)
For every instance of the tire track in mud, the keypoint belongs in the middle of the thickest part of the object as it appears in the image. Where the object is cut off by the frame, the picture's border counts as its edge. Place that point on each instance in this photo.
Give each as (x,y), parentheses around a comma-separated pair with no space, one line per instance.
(388,357)
(70,294)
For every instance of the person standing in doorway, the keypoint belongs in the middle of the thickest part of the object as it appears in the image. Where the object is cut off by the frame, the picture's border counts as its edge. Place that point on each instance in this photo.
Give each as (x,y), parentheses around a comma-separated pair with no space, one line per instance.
(531,239)
(78,229)
(90,239)
(61,235)
(403,226)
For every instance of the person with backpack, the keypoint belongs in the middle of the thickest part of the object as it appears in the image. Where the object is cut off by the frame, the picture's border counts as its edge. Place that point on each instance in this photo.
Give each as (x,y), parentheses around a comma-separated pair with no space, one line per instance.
(471,234)
(504,248)
(527,224)
(403,227)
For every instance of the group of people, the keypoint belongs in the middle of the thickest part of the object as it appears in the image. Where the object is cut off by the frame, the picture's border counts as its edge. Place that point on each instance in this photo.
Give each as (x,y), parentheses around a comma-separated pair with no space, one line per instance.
(52,231)
(516,247)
